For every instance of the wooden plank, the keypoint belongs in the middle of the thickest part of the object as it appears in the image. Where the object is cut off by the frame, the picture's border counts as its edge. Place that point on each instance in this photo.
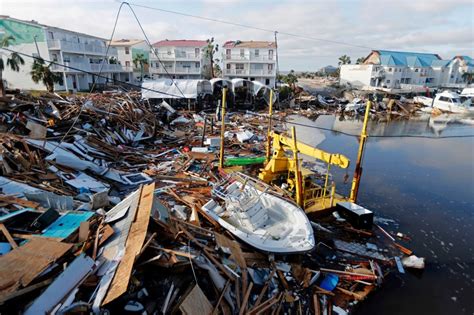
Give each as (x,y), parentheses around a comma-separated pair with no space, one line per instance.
(19,201)
(8,236)
(316,305)
(26,290)
(216,308)
(134,244)
(243,307)
(234,248)
(196,303)
(84,231)
(21,266)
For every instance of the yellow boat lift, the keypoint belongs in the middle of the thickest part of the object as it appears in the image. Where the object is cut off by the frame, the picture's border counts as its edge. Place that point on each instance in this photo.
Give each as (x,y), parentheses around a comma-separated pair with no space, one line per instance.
(282,168)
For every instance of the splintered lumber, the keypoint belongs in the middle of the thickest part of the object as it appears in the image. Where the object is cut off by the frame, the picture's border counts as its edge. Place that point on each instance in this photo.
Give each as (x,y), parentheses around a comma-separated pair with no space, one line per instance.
(19,201)
(243,307)
(216,308)
(8,236)
(23,264)
(133,246)
(316,304)
(196,303)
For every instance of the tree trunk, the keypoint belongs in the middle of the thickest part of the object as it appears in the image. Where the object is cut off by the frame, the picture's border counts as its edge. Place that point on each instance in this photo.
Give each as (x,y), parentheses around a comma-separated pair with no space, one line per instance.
(212,66)
(2,88)
(50,87)
(141,72)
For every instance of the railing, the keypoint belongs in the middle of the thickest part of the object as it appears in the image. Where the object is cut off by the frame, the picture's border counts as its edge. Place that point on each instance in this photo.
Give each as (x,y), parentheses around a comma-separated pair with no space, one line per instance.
(188,70)
(261,72)
(237,71)
(250,57)
(80,47)
(89,67)
(176,55)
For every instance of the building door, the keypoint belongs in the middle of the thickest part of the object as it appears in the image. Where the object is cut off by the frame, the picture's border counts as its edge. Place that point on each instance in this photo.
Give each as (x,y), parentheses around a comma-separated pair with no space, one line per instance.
(196,52)
(227,53)
(270,54)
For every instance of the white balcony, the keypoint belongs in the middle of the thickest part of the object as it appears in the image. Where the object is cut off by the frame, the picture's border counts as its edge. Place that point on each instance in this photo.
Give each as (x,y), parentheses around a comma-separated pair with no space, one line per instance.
(176,56)
(81,48)
(252,57)
(262,72)
(89,67)
(237,71)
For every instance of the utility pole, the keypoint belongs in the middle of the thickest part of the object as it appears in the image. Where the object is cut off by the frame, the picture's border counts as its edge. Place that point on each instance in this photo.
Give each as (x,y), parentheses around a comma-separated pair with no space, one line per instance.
(358,168)
(276,56)
(221,156)
(269,137)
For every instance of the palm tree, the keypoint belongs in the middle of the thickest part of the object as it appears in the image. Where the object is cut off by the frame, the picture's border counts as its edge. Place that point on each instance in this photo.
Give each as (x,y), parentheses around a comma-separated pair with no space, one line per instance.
(344,60)
(140,61)
(290,79)
(14,61)
(209,52)
(360,60)
(42,72)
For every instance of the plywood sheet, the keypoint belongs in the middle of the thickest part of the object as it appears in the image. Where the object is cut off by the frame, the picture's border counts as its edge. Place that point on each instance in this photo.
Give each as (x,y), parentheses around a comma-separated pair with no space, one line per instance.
(135,240)
(196,303)
(20,266)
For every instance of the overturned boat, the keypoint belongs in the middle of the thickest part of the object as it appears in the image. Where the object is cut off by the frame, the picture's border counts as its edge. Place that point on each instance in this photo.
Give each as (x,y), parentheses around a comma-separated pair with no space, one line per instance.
(245,207)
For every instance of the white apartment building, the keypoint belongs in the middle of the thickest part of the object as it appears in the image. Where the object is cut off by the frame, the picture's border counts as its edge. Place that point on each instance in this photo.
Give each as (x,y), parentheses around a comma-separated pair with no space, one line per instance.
(406,70)
(180,59)
(251,60)
(127,50)
(81,52)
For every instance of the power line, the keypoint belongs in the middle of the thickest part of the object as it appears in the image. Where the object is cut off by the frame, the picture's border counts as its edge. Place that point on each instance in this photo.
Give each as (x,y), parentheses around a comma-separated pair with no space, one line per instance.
(358,135)
(91,73)
(152,49)
(249,26)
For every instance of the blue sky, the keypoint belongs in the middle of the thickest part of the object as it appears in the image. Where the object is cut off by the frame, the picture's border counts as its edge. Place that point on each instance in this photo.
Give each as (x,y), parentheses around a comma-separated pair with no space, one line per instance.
(438,26)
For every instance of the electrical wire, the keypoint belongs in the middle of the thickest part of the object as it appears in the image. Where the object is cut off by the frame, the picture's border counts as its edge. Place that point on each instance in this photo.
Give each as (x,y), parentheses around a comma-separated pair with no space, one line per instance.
(249,26)
(92,73)
(153,50)
(358,135)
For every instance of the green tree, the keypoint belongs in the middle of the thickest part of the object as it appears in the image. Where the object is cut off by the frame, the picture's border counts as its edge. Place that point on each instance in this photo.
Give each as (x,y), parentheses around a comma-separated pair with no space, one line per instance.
(344,60)
(140,61)
(360,60)
(13,60)
(42,72)
(290,79)
(209,51)
(113,60)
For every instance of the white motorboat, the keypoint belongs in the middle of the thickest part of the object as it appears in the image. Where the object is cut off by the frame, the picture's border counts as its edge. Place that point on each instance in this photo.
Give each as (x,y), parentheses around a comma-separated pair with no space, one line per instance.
(260,218)
(451,102)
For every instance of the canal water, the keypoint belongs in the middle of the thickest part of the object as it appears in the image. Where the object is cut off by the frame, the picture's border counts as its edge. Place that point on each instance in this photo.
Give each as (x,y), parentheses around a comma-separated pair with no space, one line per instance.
(426,186)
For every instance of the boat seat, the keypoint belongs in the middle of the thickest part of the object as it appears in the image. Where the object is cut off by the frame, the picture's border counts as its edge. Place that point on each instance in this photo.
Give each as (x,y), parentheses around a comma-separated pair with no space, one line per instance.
(279,230)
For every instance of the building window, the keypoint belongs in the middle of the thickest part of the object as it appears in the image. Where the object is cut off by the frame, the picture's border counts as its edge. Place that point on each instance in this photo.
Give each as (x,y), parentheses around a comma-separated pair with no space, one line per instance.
(267,81)
(196,52)
(270,67)
(127,51)
(387,81)
(389,69)
(66,59)
(228,53)
(270,54)
(127,63)
(416,70)
(239,66)
(196,64)
(242,53)
(228,66)
(257,52)
(55,57)
(51,35)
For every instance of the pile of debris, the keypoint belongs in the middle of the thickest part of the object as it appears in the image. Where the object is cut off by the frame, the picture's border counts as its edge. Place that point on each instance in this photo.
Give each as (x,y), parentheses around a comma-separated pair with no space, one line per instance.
(101,208)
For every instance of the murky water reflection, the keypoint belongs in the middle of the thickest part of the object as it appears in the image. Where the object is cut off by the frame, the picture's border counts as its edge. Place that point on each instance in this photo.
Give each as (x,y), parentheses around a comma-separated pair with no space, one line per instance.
(427,186)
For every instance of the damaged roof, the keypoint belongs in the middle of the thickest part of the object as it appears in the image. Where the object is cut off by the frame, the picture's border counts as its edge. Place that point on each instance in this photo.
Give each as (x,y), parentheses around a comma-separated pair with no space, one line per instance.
(180,43)
(250,44)
(408,59)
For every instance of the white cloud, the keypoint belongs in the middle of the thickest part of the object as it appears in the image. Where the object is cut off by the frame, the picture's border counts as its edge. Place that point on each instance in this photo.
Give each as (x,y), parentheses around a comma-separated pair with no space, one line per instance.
(439,26)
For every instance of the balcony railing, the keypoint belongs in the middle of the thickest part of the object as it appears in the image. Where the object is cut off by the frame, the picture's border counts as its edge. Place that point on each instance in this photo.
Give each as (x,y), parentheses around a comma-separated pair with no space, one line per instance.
(177,70)
(237,71)
(91,48)
(176,55)
(239,57)
(89,67)
(261,72)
